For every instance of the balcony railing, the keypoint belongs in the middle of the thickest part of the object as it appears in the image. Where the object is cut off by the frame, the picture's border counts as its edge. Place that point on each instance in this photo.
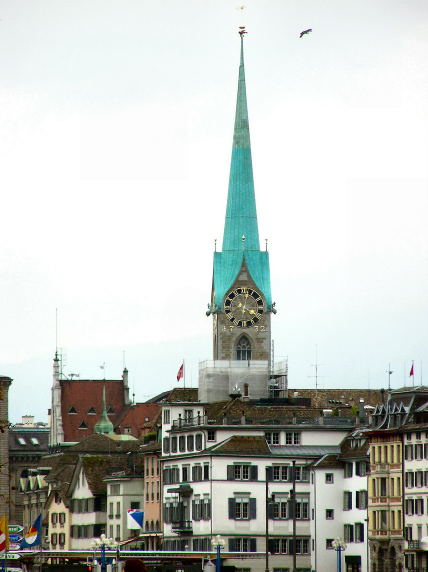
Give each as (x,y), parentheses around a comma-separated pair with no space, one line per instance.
(414,545)
(182,423)
(182,526)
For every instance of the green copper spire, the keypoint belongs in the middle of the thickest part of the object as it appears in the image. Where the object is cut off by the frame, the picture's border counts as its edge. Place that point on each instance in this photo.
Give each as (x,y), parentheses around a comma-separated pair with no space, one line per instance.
(104,425)
(241,214)
(241,235)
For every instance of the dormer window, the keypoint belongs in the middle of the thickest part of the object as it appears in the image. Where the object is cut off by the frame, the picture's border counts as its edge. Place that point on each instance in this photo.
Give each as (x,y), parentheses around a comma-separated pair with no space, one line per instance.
(72,410)
(91,411)
(110,411)
(83,425)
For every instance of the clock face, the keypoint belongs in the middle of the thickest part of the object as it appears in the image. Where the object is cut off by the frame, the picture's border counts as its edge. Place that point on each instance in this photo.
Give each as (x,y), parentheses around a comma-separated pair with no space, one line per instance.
(243,307)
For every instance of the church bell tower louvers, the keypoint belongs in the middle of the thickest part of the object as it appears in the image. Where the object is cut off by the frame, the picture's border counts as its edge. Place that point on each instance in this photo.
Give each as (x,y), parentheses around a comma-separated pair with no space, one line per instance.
(241,302)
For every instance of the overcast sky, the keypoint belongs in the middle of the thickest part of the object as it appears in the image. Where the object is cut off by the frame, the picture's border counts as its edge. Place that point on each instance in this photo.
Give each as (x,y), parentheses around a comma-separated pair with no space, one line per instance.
(116,122)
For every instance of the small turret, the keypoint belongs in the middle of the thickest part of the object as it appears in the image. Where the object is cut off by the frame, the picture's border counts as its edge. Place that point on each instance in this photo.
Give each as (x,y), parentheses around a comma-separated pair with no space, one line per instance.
(104,426)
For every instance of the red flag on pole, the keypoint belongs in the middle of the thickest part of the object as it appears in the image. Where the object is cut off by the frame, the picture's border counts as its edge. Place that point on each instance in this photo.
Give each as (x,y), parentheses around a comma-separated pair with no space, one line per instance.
(412,371)
(180,373)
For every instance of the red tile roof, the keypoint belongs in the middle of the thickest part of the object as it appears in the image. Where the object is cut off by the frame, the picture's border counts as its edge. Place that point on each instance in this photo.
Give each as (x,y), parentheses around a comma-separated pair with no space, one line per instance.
(84,394)
(140,417)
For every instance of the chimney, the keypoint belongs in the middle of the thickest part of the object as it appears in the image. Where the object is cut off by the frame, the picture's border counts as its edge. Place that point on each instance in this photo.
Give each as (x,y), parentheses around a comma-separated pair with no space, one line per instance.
(361,410)
(125,386)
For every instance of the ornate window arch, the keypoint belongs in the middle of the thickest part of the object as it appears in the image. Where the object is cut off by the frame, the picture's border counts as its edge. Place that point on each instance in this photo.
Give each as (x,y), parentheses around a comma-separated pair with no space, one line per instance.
(243,348)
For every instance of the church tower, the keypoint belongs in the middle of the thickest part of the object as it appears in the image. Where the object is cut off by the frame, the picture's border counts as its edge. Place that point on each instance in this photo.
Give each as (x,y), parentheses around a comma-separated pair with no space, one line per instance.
(241,302)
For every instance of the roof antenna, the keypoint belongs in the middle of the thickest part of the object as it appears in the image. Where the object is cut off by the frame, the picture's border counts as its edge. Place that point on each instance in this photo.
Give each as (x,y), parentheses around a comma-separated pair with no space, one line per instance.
(215,245)
(123,359)
(389,371)
(266,242)
(316,365)
(56,332)
(103,367)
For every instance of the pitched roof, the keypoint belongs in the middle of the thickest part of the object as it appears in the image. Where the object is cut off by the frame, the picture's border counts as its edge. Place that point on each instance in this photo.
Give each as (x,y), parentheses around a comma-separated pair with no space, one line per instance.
(139,416)
(237,444)
(84,394)
(151,447)
(350,451)
(107,444)
(324,397)
(61,474)
(235,409)
(96,468)
(188,395)
(328,461)
(304,450)
(28,440)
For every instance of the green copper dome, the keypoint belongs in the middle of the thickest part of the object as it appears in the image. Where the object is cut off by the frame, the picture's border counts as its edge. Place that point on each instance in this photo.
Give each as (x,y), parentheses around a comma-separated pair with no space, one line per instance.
(104,426)
(241,234)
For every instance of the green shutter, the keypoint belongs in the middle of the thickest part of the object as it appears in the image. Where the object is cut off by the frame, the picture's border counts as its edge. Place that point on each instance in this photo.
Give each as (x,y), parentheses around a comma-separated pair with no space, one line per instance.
(232,509)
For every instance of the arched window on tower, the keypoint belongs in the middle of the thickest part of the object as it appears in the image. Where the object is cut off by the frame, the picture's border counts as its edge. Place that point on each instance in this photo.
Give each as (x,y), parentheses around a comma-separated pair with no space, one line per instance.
(243,348)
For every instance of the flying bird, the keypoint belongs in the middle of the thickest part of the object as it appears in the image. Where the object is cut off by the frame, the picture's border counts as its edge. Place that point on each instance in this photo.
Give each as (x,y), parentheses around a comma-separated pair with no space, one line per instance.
(305,32)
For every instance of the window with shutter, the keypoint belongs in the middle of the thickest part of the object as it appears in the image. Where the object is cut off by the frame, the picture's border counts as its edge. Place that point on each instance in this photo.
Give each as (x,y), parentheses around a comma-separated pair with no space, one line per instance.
(232,510)
(253,472)
(198,442)
(253,508)
(230,473)
(273,545)
(206,472)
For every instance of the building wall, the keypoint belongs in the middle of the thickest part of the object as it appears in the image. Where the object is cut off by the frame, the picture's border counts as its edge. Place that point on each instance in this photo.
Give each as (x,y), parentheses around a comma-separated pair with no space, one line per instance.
(121,494)
(415,478)
(218,488)
(58,523)
(4,445)
(27,444)
(85,521)
(152,499)
(385,511)
(325,496)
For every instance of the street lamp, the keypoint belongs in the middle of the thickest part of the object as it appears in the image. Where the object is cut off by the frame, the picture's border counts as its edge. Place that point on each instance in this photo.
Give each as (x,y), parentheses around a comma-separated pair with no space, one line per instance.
(218,543)
(339,545)
(102,543)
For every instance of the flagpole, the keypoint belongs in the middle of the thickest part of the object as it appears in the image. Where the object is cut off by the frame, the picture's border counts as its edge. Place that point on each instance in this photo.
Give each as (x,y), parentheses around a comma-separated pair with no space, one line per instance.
(184,375)
(413,371)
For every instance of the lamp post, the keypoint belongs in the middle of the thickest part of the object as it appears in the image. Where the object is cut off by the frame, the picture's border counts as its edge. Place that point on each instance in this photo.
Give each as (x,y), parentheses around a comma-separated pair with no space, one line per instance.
(218,543)
(339,545)
(102,543)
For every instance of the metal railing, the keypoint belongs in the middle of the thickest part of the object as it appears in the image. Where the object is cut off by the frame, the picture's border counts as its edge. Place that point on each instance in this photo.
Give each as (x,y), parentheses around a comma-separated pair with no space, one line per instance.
(182,526)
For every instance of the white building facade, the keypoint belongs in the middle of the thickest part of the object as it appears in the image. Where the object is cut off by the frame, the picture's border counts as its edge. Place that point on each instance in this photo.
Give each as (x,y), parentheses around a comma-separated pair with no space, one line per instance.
(214,483)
